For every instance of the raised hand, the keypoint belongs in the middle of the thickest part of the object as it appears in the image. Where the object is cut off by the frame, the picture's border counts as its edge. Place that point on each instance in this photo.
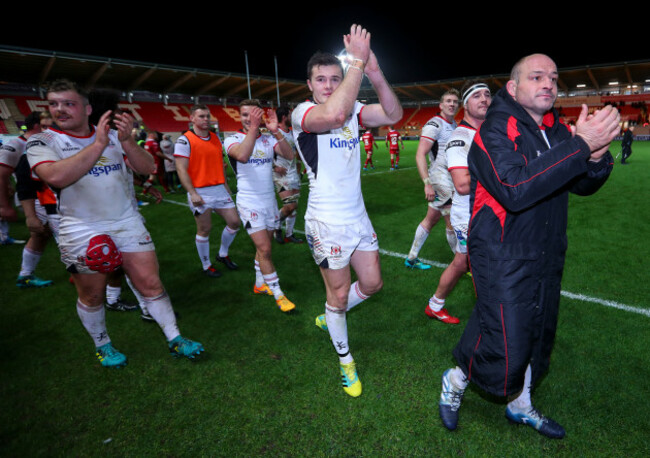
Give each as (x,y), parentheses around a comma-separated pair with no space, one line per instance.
(598,130)
(357,43)
(124,124)
(272,121)
(256,116)
(103,126)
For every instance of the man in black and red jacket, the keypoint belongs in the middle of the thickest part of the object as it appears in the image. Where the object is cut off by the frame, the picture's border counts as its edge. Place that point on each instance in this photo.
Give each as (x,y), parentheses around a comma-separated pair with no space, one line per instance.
(523,164)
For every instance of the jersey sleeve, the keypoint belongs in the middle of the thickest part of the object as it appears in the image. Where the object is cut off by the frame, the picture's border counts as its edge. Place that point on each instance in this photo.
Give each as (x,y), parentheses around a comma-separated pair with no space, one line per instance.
(457,150)
(358,111)
(39,151)
(182,147)
(298,116)
(431,130)
(9,155)
(231,141)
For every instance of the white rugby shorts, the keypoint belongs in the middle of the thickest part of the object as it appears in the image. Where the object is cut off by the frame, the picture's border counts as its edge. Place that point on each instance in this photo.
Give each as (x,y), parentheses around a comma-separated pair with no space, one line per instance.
(129,235)
(214,197)
(461,238)
(260,218)
(332,246)
(444,188)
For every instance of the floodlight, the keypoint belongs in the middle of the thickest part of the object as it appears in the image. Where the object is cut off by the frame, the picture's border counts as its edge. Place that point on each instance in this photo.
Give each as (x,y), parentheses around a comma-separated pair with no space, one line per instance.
(345,60)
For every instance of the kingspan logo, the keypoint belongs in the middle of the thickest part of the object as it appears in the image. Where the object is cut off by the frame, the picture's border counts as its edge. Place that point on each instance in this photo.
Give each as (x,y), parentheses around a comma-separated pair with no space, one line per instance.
(346,141)
(102,167)
(258,158)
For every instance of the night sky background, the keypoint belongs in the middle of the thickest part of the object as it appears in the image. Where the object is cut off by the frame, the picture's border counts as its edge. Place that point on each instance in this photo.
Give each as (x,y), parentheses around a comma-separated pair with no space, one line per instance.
(415,44)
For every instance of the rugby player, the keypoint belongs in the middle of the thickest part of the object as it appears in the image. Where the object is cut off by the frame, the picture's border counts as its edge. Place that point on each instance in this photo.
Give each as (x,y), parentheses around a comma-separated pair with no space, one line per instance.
(287,181)
(101,227)
(369,146)
(201,171)
(476,100)
(251,156)
(438,187)
(393,142)
(339,231)
(11,157)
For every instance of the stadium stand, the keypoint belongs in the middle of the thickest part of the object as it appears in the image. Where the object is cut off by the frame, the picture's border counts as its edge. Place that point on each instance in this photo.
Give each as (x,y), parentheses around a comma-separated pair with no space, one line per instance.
(174,118)
(159,96)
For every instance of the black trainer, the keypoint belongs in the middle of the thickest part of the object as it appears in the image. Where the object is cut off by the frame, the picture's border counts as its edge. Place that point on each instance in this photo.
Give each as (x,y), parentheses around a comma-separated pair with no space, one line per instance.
(212,272)
(227,262)
(122,306)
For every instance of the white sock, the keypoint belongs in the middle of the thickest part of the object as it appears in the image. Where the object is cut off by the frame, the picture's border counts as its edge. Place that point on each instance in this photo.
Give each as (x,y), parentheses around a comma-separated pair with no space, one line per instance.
(290,223)
(523,402)
(160,309)
(259,278)
(436,304)
(338,329)
(94,320)
(113,293)
(355,296)
(30,261)
(451,239)
(458,378)
(421,235)
(227,237)
(273,282)
(203,247)
(137,295)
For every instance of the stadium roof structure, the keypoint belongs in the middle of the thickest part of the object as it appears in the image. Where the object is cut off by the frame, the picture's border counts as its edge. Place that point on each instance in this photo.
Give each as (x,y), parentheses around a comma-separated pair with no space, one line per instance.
(25,70)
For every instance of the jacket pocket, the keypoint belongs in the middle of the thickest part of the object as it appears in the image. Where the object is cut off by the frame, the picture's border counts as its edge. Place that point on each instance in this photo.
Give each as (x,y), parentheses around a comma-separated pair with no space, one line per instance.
(514,272)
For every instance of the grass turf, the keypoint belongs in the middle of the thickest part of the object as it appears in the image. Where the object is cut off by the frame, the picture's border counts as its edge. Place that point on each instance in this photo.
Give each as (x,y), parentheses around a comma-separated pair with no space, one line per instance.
(268,383)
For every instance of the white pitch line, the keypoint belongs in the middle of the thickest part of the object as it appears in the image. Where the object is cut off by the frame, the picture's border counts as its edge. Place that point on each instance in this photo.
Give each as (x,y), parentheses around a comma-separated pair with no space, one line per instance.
(579,297)
(606,303)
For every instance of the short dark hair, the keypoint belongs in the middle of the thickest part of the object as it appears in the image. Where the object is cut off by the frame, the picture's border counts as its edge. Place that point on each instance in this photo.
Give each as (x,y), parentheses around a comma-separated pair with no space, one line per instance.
(282,111)
(322,58)
(468,84)
(63,84)
(33,119)
(197,107)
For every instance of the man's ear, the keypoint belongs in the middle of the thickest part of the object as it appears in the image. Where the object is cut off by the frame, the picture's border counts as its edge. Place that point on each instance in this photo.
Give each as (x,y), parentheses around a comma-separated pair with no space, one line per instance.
(511,87)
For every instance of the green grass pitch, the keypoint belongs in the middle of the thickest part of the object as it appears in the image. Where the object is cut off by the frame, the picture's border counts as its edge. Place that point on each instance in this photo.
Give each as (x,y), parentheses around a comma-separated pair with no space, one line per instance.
(268,383)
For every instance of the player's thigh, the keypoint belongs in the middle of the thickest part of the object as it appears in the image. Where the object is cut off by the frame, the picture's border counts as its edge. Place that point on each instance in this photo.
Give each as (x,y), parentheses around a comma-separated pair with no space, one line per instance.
(142,269)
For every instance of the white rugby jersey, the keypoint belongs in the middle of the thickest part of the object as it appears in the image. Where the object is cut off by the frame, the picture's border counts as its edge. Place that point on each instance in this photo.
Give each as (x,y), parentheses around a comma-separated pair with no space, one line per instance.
(289,164)
(104,194)
(332,160)
(255,177)
(11,151)
(438,130)
(457,151)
